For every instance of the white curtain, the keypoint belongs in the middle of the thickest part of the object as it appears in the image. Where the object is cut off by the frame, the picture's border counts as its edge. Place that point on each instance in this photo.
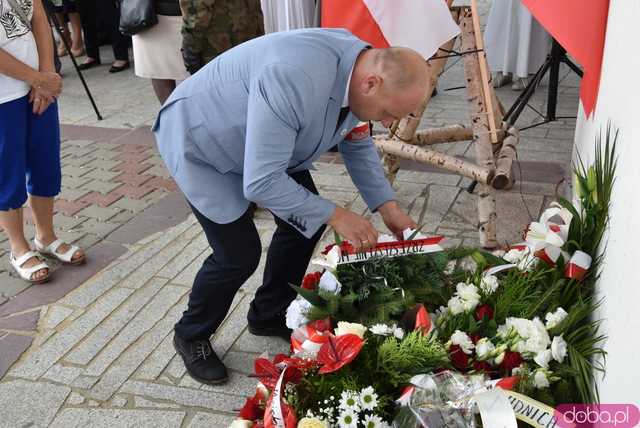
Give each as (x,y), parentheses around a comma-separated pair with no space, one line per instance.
(515,42)
(282,15)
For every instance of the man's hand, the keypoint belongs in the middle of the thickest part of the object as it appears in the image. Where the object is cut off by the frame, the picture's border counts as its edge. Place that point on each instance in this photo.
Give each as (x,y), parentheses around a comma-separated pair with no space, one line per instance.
(395,218)
(358,230)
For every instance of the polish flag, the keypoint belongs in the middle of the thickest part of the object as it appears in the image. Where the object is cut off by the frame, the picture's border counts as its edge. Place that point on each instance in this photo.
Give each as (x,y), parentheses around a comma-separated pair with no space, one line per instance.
(580,27)
(422,25)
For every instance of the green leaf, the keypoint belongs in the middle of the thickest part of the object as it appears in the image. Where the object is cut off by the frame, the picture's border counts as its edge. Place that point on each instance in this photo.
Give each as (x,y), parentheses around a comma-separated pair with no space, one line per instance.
(309,296)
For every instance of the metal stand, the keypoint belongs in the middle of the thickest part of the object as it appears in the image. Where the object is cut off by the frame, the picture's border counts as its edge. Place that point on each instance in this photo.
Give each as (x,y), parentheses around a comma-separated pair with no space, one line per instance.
(552,64)
(58,26)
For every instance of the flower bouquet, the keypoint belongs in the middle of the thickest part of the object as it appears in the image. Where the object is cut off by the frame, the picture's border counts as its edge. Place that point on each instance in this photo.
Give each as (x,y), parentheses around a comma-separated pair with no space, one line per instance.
(409,334)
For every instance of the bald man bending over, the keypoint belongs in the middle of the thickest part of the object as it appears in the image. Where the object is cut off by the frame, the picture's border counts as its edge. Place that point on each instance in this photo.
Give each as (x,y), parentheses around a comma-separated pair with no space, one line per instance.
(247,127)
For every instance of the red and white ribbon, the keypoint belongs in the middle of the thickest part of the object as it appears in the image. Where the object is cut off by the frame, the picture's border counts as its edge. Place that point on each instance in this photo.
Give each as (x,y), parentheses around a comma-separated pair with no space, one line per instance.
(578,265)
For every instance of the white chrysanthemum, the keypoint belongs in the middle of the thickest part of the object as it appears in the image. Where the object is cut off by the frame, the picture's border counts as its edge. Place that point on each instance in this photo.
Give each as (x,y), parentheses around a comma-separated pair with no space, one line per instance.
(368,398)
(296,313)
(524,259)
(559,348)
(349,400)
(373,421)
(542,358)
(555,318)
(241,423)
(312,422)
(461,339)
(455,305)
(489,284)
(398,333)
(381,329)
(484,348)
(540,379)
(348,419)
(350,328)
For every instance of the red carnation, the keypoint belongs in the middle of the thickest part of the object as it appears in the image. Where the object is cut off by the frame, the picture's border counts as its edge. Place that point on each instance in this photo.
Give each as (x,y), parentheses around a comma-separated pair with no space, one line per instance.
(482,367)
(327,249)
(457,356)
(511,361)
(483,311)
(311,280)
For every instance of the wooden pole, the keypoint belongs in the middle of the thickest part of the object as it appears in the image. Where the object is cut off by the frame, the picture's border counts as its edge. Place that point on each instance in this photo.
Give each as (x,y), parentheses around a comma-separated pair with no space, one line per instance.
(407,126)
(481,129)
(446,134)
(441,160)
(503,179)
(484,72)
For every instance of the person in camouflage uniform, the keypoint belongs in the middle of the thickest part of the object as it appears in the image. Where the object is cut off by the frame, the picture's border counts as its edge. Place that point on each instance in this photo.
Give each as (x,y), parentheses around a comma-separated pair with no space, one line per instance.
(210,27)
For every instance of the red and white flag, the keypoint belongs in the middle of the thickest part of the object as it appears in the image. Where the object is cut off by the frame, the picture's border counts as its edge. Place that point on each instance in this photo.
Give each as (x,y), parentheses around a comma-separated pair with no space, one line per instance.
(422,25)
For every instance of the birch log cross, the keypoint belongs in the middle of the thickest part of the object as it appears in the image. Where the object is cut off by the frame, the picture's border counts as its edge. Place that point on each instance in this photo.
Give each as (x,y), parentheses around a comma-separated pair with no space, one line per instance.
(404,141)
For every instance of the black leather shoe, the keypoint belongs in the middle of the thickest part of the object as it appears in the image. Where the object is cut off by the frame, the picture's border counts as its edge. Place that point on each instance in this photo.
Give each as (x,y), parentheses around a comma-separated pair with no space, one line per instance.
(201,361)
(116,69)
(89,64)
(277,328)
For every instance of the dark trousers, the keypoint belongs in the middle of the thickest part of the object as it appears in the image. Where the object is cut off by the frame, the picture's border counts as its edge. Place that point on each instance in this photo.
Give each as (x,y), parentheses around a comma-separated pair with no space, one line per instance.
(236,254)
(109,13)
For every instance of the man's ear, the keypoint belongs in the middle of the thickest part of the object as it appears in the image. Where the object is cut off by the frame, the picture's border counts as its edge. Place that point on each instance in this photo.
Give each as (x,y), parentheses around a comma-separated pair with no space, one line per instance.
(371,85)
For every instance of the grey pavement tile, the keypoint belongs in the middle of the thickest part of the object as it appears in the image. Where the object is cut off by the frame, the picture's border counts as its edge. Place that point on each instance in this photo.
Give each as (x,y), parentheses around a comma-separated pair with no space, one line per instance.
(123,216)
(99,213)
(11,284)
(101,186)
(71,194)
(238,384)
(27,321)
(13,346)
(54,316)
(31,404)
(186,256)
(102,175)
(208,420)
(74,182)
(242,362)
(129,204)
(175,369)
(144,320)
(117,418)
(152,266)
(185,396)
(120,270)
(98,340)
(141,403)
(39,361)
(155,364)
(131,359)
(62,374)
(247,342)
(188,274)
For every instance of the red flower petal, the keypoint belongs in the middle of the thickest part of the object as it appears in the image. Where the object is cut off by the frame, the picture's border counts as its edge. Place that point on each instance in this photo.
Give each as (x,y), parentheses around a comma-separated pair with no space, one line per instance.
(338,352)
(251,410)
(458,358)
(267,372)
(508,383)
(423,320)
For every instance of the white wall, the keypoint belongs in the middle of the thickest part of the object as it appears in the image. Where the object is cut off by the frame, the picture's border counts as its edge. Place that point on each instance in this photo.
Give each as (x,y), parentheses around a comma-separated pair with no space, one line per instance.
(619,101)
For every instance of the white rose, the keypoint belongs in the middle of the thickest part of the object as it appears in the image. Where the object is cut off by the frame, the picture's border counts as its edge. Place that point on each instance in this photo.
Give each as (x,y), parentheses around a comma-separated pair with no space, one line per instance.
(455,305)
(467,292)
(542,358)
(559,348)
(489,284)
(381,329)
(350,328)
(484,348)
(461,339)
(329,282)
(555,318)
(241,423)
(296,313)
(540,379)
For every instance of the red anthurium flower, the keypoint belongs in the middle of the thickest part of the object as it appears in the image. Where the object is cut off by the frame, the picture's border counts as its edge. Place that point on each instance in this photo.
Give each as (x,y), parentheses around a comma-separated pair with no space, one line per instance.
(508,383)
(459,359)
(267,372)
(483,311)
(339,351)
(321,325)
(482,367)
(511,361)
(423,320)
(251,410)
(311,280)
